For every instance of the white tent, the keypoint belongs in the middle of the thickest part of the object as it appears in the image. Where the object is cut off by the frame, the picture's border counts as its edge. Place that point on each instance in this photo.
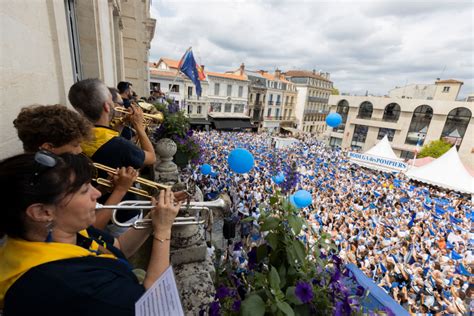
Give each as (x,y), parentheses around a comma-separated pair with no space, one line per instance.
(446,172)
(382,149)
(380,157)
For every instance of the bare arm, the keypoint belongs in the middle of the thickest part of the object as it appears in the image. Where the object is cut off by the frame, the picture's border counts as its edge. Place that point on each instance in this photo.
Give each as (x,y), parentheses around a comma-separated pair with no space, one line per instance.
(145,143)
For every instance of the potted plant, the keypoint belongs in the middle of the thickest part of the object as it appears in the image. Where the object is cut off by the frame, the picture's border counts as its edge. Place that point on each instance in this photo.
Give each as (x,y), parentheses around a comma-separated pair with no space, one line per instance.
(176,126)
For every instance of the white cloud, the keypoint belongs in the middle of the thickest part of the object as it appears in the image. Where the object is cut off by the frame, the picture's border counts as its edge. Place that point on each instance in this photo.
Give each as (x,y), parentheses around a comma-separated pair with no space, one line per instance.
(367,45)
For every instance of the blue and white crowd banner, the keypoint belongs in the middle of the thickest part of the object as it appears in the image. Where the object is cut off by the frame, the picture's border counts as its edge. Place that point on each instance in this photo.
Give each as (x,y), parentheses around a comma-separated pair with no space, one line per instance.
(378,162)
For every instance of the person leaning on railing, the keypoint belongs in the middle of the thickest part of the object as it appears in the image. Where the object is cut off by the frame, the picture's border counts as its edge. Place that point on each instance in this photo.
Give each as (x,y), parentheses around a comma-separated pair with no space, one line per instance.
(53,262)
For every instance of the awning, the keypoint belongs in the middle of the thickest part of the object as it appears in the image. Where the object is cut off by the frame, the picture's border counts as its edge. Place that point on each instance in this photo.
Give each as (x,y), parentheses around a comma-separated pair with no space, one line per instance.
(199,121)
(232,124)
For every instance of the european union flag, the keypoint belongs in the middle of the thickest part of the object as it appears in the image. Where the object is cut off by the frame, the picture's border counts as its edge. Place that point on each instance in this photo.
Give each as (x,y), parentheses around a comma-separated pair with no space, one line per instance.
(187,65)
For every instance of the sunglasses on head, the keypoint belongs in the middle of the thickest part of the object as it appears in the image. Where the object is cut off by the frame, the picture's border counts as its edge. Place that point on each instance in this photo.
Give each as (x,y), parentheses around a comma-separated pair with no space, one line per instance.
(45,160)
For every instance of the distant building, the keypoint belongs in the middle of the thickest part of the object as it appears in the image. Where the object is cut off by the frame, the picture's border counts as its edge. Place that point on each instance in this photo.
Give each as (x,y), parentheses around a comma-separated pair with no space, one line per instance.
(470,98)
(313,91)
(367,119)
(447,90)
(165,77)
(48,45)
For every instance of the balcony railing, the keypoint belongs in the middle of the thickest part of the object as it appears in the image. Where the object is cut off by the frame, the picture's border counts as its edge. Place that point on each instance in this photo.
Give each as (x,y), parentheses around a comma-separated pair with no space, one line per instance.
(277,103)
(273,118)
(270,102)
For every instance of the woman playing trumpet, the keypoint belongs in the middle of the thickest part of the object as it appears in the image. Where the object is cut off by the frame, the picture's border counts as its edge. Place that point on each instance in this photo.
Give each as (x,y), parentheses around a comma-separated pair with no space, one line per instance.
(53,262)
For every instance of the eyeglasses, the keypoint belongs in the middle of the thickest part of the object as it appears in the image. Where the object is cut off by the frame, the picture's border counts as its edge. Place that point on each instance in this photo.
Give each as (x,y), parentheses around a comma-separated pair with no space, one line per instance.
(45,160)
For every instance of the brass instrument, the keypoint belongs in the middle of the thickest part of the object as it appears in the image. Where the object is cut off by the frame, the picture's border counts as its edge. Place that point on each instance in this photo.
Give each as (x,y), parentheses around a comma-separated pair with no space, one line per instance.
(145,182)
(144,223)
(148,118)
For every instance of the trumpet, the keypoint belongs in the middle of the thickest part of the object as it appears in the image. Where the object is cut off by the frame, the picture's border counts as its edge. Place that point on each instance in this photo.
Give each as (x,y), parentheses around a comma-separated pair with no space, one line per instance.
(148,118)
(145,182)
(144,223)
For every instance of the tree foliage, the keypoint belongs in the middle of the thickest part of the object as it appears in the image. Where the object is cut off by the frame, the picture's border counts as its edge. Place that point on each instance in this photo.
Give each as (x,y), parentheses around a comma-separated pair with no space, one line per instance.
(434,149)
(335,91)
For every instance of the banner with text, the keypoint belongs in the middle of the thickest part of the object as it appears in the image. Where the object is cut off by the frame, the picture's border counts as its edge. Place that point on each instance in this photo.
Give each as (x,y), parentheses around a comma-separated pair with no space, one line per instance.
(385,163)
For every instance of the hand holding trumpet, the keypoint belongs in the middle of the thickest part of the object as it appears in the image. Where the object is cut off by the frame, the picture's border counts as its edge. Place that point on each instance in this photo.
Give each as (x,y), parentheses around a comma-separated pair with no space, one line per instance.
(163,213)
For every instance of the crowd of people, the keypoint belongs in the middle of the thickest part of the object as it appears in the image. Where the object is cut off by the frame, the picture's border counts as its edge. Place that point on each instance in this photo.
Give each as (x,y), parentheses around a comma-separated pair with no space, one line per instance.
(63,256)
(412,239)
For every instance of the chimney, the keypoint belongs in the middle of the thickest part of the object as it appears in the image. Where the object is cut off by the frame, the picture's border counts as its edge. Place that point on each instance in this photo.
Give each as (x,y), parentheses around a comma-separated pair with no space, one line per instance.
(314,71)
(242,69)
(328,75)
(277,73)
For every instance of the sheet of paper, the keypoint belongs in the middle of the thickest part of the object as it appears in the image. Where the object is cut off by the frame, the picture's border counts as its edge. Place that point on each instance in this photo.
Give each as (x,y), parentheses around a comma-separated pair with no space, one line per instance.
(162,299)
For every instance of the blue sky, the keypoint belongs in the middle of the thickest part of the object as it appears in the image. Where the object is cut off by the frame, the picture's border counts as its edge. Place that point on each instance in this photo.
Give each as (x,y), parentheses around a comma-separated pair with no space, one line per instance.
(365,45)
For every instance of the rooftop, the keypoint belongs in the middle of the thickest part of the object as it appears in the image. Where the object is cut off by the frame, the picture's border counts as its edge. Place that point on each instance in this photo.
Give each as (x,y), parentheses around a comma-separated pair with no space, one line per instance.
(449,81)
(305,73)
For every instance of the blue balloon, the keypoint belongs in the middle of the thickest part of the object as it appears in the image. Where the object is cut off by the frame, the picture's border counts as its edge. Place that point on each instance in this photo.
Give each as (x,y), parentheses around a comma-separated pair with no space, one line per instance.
(278,178)
(240,160)
(206,169)
(302,198)
(292,201)
(334,119)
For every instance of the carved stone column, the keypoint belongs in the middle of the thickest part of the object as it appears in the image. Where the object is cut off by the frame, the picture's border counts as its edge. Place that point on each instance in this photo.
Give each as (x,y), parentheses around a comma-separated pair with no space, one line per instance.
(166,169)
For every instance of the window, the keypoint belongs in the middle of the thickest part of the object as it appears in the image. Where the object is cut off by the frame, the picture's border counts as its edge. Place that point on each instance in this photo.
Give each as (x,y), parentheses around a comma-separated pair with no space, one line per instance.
(239,108)
(343,110)
(228,107)
(241,91)
(286,100)
(277,113)
(278,100)
(190,91)
(229,90)
(391,112)
(360,134)
(251,97)
(174,88)
(419,124)
(216,88)
(386,131)
(269,112)
(407,155)
(333,142)
(199,109)
(365,110)
(456,125)
(155,86)
(73,33)
(286,113)
(446,89)
(216,107)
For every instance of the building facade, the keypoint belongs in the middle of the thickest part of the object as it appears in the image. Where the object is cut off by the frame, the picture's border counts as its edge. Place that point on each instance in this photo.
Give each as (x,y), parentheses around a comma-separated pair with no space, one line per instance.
(311,106)
(165,77)
(68,41)
(446,90)
(228,93)
(367,119)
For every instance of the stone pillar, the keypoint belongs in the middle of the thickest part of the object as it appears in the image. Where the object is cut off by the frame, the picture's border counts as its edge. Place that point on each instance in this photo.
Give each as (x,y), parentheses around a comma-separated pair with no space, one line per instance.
(166,169)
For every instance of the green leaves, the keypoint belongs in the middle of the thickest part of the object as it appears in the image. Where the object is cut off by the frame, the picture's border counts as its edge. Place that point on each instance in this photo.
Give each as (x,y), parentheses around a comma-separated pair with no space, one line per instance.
(274,279)
(295,223)
(269,223)
(285,308)
(253,305)
(291,296)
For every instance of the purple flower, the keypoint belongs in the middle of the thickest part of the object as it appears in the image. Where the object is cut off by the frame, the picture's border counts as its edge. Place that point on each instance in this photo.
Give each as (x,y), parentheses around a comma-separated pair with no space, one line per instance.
(360,291)
(222,292)
(304,292)
(339,308)
(388,311)
(214,309)
(236,306)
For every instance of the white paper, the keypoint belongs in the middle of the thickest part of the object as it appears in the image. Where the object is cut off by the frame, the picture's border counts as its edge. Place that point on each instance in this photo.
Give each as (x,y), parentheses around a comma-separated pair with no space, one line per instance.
(162,299)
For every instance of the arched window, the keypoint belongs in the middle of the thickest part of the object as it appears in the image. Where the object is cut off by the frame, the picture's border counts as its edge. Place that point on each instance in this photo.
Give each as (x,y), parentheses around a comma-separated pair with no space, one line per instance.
(419,125)
(365,110)
(391,112)
(456,125)
(343,110)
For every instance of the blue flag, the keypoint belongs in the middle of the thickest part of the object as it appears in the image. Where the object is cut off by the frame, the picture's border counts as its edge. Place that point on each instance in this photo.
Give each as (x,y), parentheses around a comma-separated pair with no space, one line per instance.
(187,65)
(455,255)
(454,219)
